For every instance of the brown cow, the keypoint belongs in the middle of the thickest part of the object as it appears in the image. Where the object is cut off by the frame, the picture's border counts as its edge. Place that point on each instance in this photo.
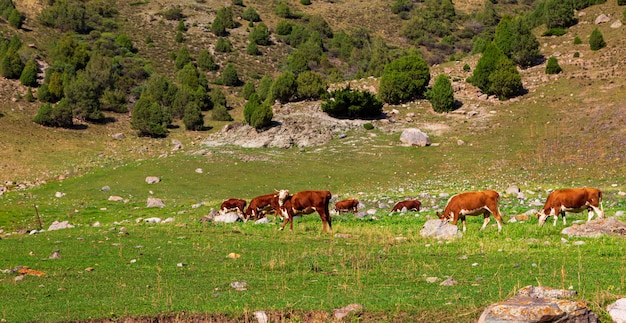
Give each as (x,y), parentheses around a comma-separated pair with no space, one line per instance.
(305,202)
(410,205)
(260,205)
(349,205)
(573,200)
(473,203)
(233,204)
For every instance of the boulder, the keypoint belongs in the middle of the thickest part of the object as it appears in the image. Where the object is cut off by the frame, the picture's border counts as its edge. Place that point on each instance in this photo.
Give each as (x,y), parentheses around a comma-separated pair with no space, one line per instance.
(539,304)
(597,228)
(513,190)
(414,137)
(230,217)
(56,225)
(602,19)
(617,311)
(440,230)
(616,24)
(155,202)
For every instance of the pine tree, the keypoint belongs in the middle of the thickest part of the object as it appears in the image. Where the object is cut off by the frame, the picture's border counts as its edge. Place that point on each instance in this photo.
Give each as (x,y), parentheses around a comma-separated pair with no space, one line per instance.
(404,79)
(596,40)
(182,57)
(220,113)
(441,96)
(262,116)
(193,119)
(284,87)
(230,76)
(484,68)
(505,81)
(247,90)
(29,73)
(149,118)
(553,67)
(205,61)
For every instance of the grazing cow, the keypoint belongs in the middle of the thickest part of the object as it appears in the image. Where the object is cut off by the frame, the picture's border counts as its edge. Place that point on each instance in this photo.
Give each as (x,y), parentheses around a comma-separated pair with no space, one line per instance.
(305,202)
(410,205)
(350,205)
(260,205)
(473,203)
(572,200)
(233,204)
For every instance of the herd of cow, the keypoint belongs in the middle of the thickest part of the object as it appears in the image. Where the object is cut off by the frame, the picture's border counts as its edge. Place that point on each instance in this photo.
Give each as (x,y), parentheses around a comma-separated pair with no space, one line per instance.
(287,205)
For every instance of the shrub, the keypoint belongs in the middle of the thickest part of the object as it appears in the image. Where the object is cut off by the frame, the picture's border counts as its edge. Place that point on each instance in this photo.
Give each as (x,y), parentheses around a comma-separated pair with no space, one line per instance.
(230,76)
(558,13)
(441,96)
(59,115)
(283,28)
(193,119)
(404,79)
(466,67)
(400,6)
(11,65)
(368,126)
(253,49)
(596,41)
(181,26)
(205,61)
(16,19)
(220,113)
(115,100)
(305,2)
(262,116)
(237,3)
(621,2)
(218,28)
(247,90)
(223,45)
(345,103)
(182,58)
(554,32)
(505,81)
(218,97)
(260,35)
(576,54)
(251,15)
(553,67)
(29,73)
(253,103)
(149,118)
(264,87)
(577,40)
(311,85)
(283,88)
(282,10)
(486,65)
(179,38)
(174,13)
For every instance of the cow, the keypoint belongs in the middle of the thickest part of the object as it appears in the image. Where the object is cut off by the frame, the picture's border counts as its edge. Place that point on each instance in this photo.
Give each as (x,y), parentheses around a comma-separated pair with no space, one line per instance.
(573,200)
(410,205)
(260,205)
(305,202)
(237,205)
(473,203)
(349,205)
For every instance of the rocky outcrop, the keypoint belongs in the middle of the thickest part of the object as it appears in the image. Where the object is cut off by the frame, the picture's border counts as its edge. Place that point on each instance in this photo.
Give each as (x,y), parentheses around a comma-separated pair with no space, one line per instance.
(414,137)
(596,228)
(440,230)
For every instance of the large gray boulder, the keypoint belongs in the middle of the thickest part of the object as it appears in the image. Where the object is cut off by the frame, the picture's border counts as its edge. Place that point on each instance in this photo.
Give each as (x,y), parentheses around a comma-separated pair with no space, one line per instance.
(230,217)
(155,202)
(617,311)
(539,304)
(414,137)
(440,230)
(597,228)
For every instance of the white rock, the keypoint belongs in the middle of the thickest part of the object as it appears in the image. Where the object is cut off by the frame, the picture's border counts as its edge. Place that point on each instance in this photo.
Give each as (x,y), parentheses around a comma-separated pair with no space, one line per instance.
(261,317)
(56,225)
(152,220)
(617,311)
(199,170)
(155,202)
(616,24)
(168,220)
(115,198)
(414,137)
(153,179)
(59,194)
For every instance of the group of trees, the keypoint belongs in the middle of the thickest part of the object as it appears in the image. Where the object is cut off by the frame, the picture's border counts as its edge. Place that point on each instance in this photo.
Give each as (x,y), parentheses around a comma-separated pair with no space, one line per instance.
(11,14)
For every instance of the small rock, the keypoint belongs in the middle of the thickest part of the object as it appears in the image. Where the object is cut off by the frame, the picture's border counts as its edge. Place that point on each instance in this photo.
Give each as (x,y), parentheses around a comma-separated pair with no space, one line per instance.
(263,220)
(55,254)
(59,195)
(56,225)
(152,220)
(118,135)
(432,279)
(155,202)
(96,224)
(153,179)
(341,313)
(115,198)
(261,317)
(240,286)
(617,311)
(199,170)
(168,220)
(602,19)
(89,269)
(619,213)
(233,255)
(105,188)
(449,282)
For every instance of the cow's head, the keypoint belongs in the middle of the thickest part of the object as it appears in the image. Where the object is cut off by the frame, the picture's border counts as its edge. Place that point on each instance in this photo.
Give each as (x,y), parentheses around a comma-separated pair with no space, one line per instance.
(282,196)
(441,216)
(542,217)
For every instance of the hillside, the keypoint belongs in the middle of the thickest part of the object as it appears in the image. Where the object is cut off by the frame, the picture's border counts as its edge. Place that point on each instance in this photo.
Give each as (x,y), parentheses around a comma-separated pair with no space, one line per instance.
(570,121)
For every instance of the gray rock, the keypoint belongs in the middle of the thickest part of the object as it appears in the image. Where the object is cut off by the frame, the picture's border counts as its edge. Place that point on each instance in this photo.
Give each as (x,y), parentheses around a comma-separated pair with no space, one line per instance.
(56,225)
(371,211)
(617,311)
(155,202)
(153,179)
(341,313)
(105,188)
(263,220)
(597,228)
(414,137)
(602,19)
(152,220)
(168,220)
(441,230)
(230,217)
(619,213)
(261,317)
(616,24)
(177,145)
(115,198)
(118,135)
(513,190)
(59,195)
(449,282)
(240,286)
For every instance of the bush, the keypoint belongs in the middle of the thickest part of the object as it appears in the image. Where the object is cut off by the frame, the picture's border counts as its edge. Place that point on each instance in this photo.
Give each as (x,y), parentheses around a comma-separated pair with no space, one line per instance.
(576,54)
(253,49)
(174,13)
(237,3)
(253,103)
(251,15)
(115,100)
(223,45)
(230,76)
(55,116)
(368,126)
(205,61)
(400,6)
(29,73)
(553,67)
(262,116)
(264,87)
(466,67)
(505,81)
(596,41)
(247,90)
(441,96)
(220,113)
(311,85)
(305,2)
(283,88)
(404,79)
(182,58)
(193,119)
(11,65)
(621,2)
(558,13)
(282,10)
(218,97)
(486,65)
(218,28)
(283,28)
(179,38)
(16,19)
(577,40)
(149,118)
(346,103)
(260,35)
(554,32)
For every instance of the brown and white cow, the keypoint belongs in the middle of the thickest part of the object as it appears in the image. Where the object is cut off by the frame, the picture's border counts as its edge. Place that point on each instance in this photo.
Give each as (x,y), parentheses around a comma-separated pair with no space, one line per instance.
(260,205)
(573,200)
(305,202)
(473,203)
(349,205)
(410,205)
(237,205)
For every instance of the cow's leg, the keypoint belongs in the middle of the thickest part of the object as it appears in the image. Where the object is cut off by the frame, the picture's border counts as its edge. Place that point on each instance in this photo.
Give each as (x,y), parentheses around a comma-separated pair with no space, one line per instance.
(591,210)
(486,220)
(498,216)
(555,213)
(563,216)
(326,219)
(464,223)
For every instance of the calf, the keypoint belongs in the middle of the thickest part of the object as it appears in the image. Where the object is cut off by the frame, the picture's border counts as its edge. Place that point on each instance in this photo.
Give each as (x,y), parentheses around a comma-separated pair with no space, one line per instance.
(573,200)
(305,202)
(350,205)
(410,205)
(260,205)
(473,203)
(233,204)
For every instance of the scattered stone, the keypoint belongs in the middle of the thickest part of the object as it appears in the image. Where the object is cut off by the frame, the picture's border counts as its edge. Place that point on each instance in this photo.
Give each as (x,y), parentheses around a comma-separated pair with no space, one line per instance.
(449,282)
(230,217)
(240,286)
(602,19)
(199,170)
(414,137)
(155,202)
(56,225)
(263,220)
(616,24)
(177,145)
(460,142)
(59,195)
(597,228)
(432,280)
(89,269)
(617,311)
(619,213)
(371,211)
(261,317)
(115,198)
(96,224)
(55,254)
(105,188)
(153,179)
(512,190)
(440,230)
(118,135)
(152,220)
(233,255)
(168,220)
(343,312)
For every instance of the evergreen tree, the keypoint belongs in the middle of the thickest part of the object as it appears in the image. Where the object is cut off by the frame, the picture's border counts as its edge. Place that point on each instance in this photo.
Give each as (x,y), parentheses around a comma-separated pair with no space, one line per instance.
(230,76)
(486,65)
(247,90)
(29,73)
(284,27)
(264,87)
(260,35)
(284,87)
(218,97)
(251,15)
(220,113)
(225,15)
(441,96)
(253,103)
(62,115)
(149,118)
(193,119)
(596,40)
(505,81)
(282,10)
(311,85)
(262,116)
(515,38)
(55,86)
(182,58)
(16,19)
(43,115)
(346,103)
(11,65)
(403,79)
(253,49)
(558,14)
(218,28)
(83,96)
(223,45)
(553,67)
(205,61)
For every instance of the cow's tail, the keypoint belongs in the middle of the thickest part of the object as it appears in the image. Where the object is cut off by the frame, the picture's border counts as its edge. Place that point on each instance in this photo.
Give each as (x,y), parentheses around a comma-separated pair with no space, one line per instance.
(600,202)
